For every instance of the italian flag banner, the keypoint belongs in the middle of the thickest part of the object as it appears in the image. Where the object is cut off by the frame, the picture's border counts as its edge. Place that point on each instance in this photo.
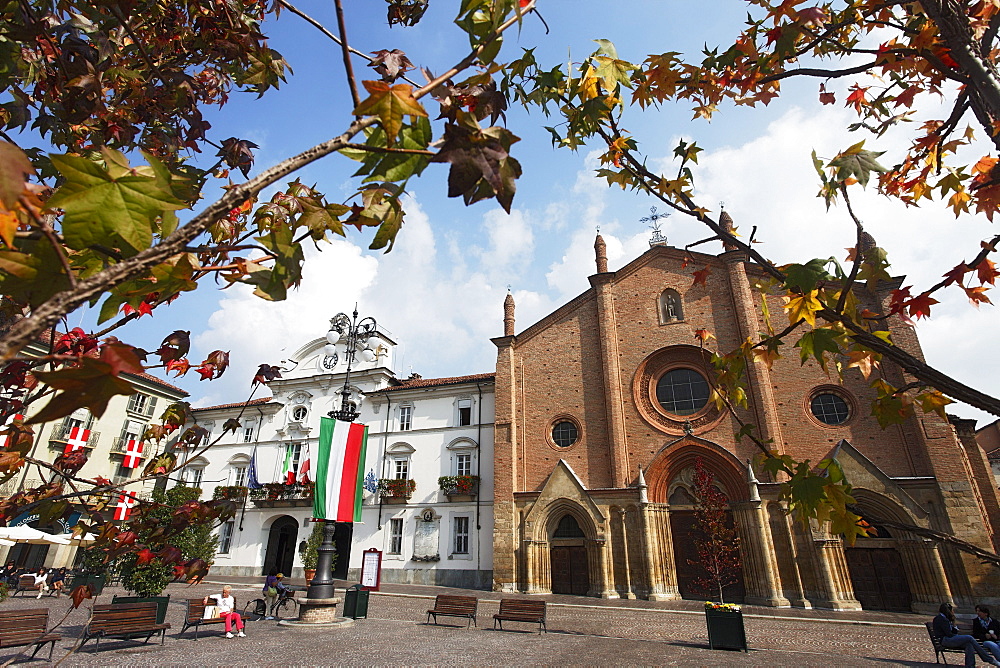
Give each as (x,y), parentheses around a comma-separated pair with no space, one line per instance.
(339,471)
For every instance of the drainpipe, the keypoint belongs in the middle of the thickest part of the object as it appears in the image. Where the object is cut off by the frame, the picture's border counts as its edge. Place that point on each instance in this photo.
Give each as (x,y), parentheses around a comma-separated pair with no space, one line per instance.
(479,456)
(385,439)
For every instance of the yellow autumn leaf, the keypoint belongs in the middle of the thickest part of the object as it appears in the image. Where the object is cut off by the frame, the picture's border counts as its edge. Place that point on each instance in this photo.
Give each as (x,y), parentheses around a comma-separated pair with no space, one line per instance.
(864,360)
(390,104)
(934,401)
(803,307)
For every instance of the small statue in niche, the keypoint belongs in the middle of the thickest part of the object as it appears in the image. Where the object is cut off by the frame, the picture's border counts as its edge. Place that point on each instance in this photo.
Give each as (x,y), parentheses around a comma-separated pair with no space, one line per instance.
(671,306)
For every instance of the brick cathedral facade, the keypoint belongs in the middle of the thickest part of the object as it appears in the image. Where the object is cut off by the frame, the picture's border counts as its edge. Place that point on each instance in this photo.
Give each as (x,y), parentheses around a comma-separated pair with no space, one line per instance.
(601,414)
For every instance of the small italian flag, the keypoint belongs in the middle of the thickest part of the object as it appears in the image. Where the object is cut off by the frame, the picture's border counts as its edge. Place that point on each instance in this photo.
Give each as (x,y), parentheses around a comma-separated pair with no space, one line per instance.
(339,471)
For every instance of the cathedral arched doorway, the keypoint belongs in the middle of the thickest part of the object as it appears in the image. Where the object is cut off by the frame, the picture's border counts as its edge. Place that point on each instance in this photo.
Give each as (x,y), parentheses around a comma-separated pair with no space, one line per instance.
(569,563)
(878,574)
(281,544)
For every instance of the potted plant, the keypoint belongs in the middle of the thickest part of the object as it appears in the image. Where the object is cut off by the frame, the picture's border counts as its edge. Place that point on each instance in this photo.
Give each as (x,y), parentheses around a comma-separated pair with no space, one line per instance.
(718,548)
(232,492)
(459,487)
(310,556)
(396,490)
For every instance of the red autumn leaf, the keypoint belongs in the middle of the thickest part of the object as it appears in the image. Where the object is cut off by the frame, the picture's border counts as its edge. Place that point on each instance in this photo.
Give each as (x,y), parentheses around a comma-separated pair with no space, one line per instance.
(144,556)
(827,98)
(857,97)
(987,272)
(206,371)
(898,299)
(920,306)
(180,366)
(977,295)
(100,481)
(169,555)
(703,335)
(80,593)
(957,274)
(701,275)
(906,97)
(125,538)
(121,358)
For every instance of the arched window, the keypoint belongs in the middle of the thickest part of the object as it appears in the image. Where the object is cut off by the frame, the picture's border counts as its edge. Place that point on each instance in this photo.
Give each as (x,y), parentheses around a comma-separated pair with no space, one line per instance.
(670,306)
(568,528)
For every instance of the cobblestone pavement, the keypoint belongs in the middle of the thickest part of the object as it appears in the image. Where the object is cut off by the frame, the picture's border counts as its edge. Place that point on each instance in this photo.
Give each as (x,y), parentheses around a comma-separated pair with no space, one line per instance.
(582,631)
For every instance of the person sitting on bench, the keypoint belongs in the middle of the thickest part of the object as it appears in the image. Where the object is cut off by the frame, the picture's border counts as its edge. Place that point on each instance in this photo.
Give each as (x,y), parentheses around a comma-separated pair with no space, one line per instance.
(944,626)
(986,630)
(226,603)
(41,581)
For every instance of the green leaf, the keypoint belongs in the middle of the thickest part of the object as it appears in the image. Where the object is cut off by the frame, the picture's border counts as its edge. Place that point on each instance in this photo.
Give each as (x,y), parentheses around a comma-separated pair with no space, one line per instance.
(102,209)
(92,384)
(857,162)
(805,277)
(818,342)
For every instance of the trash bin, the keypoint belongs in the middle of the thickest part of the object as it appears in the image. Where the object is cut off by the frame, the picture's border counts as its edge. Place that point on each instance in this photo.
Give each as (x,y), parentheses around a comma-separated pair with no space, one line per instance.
(356,602)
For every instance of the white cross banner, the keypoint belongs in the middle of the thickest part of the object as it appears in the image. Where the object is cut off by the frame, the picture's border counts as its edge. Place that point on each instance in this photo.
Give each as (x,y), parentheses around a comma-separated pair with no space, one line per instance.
(133,454)
(125,504)
(78,437)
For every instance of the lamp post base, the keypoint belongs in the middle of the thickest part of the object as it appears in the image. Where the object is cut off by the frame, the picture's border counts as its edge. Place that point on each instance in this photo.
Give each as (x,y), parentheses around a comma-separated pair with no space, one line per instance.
(319,613)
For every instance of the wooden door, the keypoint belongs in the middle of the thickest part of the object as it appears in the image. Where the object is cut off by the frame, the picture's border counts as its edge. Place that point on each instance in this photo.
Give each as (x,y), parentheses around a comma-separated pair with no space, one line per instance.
(570,570)
(878,578)
(683,531)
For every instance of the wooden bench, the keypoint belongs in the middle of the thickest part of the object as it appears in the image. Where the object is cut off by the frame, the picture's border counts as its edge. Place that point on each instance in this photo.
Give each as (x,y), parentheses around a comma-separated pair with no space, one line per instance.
(27,627)
(26,583)
(123,620)
(939,649)
(195,616)
(454,606)
(521,610)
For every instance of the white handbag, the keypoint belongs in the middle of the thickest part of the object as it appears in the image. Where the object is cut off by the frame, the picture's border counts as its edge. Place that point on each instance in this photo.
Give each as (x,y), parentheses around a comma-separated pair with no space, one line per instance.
(211,612)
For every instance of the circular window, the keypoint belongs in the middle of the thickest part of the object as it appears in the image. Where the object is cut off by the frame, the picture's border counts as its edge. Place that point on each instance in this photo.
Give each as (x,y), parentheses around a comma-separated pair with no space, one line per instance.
(830,408)
(299,413)
(565,433)
(682,391)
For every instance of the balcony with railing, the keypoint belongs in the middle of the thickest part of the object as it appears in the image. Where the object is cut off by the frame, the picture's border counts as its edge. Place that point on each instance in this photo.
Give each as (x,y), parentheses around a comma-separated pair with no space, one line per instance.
(10,487)
(59,435)
(278,495)
(119,444)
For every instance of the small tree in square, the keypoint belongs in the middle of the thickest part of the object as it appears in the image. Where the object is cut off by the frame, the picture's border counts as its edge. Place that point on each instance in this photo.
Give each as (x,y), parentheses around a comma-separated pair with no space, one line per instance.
(718,544)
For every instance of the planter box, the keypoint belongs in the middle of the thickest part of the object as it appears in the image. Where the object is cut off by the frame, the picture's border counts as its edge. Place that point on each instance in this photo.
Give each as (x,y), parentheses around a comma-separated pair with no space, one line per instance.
(454,498)
(725,629)
(395,500)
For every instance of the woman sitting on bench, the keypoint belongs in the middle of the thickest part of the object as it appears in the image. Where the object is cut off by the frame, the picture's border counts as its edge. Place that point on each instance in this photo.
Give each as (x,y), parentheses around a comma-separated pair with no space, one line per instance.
(226,605)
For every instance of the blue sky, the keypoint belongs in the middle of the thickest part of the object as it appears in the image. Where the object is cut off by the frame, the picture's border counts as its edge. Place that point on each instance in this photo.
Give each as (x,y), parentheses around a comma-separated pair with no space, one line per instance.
(440,291)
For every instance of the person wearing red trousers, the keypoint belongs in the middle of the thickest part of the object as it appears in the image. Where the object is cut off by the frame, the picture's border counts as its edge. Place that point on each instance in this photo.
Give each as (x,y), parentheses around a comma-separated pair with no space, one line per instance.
(226,605)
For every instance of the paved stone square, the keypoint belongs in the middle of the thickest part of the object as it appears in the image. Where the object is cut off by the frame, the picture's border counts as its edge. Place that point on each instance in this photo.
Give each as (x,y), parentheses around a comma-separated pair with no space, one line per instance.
(582,631)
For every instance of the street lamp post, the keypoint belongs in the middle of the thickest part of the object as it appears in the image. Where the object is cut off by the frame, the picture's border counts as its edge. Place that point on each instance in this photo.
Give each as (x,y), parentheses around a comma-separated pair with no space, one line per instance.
(359,338)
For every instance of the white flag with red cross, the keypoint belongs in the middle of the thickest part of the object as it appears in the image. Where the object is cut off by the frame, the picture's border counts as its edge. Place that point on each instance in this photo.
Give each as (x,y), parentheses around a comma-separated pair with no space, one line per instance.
(78,437)
(133,454)
(125,504)
(4,438)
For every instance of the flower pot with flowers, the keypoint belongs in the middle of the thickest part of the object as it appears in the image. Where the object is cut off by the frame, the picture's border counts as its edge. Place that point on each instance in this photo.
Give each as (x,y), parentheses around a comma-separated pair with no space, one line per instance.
(459,487)
(396,490)
(725,626)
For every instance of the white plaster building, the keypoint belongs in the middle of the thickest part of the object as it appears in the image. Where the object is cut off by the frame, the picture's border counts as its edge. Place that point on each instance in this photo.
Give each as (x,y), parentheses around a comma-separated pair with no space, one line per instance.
(125,418)
(418,429)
